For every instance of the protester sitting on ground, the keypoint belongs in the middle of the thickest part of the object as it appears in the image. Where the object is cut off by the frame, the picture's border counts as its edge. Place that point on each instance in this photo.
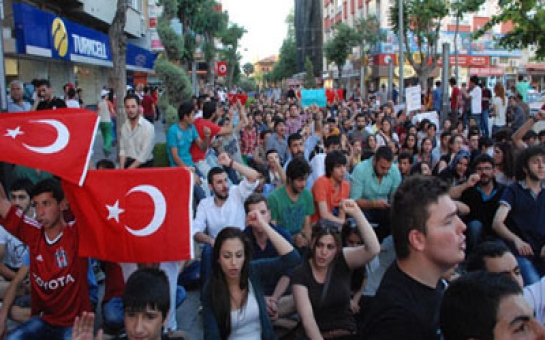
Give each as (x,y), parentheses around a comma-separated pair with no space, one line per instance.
(429,240)
(146,304)
(292,204)
(519,219)
(321,284)
(234,305)
(491,306)
(331,189)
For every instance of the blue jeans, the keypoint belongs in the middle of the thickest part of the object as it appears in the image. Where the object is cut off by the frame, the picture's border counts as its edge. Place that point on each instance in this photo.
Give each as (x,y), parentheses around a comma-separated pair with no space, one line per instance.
(484,123)
(114,315)
(206,266)
(473,233)
(531,268)
(36,328)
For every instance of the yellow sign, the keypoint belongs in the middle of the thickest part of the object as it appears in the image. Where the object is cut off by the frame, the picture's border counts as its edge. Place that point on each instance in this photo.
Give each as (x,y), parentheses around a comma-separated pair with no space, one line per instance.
(60,37)
(408,71)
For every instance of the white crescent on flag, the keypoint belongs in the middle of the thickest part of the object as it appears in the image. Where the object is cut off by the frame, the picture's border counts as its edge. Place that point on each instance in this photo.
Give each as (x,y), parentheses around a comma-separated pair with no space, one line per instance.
(63,137)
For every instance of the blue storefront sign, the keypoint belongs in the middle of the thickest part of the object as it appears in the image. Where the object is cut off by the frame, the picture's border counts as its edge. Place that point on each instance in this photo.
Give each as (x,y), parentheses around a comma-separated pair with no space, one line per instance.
(44,34)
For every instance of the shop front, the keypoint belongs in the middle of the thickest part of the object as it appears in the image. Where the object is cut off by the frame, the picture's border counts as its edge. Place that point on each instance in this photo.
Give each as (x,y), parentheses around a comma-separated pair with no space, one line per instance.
(51,47)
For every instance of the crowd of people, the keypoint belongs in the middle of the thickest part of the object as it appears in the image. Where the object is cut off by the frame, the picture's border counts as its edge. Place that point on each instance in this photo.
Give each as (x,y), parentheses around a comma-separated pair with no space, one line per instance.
(354,220)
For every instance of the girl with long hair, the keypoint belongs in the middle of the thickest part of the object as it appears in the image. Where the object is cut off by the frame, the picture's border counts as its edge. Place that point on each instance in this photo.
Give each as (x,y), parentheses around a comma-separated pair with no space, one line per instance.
(499,108)
(386,133)
(504,156)
(321,284)
(234,305)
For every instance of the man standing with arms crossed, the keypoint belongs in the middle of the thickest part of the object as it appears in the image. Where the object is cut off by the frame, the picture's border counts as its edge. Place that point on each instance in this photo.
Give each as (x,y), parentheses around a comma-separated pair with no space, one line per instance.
(137,137)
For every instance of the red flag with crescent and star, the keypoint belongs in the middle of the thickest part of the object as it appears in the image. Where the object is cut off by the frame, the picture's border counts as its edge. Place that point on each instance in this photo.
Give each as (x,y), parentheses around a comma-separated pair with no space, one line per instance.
(58,141)
(135,215)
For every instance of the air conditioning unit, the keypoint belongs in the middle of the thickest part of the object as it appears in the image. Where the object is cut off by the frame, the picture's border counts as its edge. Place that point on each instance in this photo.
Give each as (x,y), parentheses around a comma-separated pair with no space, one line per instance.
(514,62)
(494,61)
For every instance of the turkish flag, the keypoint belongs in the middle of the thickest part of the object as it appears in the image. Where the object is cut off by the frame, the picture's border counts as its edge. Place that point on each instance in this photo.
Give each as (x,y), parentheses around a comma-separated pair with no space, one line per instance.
(221,68)
(58,141)
(135,215)
(239,96)
(333,95)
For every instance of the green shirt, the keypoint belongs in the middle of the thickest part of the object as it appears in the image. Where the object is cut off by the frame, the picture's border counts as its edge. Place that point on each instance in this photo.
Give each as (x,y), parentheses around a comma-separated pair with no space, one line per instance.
(287,213)
(364,183)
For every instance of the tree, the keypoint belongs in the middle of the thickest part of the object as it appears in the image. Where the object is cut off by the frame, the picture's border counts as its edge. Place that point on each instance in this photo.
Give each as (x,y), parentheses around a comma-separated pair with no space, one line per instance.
(286,66)
(230,39)
(310,79)
(528,18)
(118,45)
(248,69)
(370,34)
(177,85)
(340,46)
(422,23)
(458,9)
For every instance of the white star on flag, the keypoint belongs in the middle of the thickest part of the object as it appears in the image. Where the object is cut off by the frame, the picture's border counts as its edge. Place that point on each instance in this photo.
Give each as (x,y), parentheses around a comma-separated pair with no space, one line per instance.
(13,133)
(114,211)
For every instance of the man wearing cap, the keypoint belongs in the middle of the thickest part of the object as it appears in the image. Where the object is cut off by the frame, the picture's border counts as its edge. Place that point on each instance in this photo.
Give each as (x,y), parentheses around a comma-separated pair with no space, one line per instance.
(103,110)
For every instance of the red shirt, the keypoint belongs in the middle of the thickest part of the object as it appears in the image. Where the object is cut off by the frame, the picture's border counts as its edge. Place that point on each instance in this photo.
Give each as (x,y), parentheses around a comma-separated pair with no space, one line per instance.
(455,98)
(248,141)
(58,277)
(200,123)
(147,105)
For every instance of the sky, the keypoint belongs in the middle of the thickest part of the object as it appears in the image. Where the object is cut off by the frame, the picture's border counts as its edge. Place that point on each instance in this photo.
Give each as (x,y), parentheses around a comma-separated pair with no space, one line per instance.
(264,23)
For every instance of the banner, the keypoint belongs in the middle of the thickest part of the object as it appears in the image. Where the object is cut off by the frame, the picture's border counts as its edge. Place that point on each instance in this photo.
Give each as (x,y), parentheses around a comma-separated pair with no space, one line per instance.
(413,98)
(311,97)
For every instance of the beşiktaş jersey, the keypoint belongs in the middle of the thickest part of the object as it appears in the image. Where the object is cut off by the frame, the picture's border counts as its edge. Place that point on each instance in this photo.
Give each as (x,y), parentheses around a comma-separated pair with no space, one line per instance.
(59,289)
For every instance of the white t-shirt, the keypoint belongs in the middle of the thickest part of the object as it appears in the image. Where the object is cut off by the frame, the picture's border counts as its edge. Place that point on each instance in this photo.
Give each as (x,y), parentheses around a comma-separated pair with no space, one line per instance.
(72,103)
(476,101)
(245,322)
(500,108)
(211,219)
(15,250)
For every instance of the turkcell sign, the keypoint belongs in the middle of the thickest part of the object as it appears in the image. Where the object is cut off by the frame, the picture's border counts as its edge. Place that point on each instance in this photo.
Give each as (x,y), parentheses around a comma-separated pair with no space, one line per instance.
(65,40)
(46,35)
(89,47)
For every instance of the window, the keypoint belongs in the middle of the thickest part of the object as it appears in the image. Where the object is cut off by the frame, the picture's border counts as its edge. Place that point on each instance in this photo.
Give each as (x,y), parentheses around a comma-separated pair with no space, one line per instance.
(135,4)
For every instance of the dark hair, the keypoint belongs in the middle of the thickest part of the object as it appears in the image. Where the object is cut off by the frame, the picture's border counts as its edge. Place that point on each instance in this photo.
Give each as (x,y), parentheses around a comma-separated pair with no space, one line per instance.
(332,140)
(213,172)
(217,288)
(298,168)
(24,184)
(294,137)
(470,305)
(132,96)
(405,155)
(105,164)
(384,152)
(71,93)
(49,185)
(332,160)
(410,206)
(147,288)
(185,109)
(323,228)
(278,121)
(521,164)
(254,198)
(452,81)
(405,145)
(416,169)
(446,134)
(270,151)
(483,158)
(476,259)
(263,133)
(208,110)
(43,82)
(507,165)
(474,80)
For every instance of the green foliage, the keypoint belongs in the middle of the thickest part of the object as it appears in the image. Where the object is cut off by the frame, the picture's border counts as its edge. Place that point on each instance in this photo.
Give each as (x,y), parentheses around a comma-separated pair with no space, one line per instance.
(286,66)
(230,39)
(340,46)
(369,32)
(310,79)
(177,88)
(247,84)
(528,17)
(248,69)
(249,102)
(422,19)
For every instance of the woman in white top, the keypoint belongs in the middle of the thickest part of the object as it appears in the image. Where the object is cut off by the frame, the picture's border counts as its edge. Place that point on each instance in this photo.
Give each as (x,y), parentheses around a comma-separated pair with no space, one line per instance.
(386,133)
(234,306)
(499,108)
